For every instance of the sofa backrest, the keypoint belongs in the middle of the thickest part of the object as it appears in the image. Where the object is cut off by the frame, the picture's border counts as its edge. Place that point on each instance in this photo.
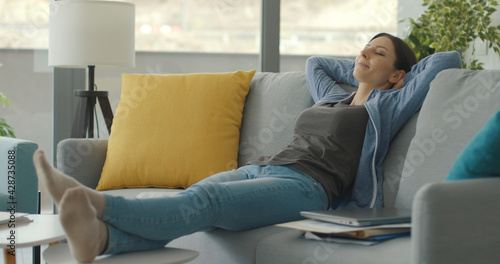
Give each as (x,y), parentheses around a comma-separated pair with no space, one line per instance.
(457,106)
(395,159)
(272,105)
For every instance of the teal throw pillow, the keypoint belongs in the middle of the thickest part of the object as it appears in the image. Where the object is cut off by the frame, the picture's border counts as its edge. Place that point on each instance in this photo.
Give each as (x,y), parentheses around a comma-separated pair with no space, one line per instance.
(481,157)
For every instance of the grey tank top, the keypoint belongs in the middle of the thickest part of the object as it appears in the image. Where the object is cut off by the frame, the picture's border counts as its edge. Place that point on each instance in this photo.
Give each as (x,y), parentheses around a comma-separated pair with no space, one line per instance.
(327,144)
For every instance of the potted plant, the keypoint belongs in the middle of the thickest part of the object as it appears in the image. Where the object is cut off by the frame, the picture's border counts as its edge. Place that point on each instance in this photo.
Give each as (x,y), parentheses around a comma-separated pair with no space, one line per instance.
(5,129)
(449,25)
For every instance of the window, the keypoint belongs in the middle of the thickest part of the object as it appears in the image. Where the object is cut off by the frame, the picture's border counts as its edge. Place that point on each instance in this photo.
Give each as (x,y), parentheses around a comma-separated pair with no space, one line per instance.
(334,27)
(24,24)
(218,26)
(324,27)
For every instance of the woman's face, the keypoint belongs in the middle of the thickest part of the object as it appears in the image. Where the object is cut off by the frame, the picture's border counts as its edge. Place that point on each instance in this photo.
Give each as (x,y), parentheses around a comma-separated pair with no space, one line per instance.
(375,64)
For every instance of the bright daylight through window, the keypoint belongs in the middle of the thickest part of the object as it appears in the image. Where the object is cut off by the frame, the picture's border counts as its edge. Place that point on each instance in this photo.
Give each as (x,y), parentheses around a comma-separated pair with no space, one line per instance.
(322,27)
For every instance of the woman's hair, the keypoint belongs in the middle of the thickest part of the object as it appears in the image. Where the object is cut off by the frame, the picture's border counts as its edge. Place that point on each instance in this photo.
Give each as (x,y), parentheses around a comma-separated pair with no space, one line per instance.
(405,58)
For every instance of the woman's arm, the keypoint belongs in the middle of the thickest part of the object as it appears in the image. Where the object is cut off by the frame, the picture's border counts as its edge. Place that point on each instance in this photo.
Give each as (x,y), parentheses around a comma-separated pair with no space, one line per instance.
(324,74)
(418,80)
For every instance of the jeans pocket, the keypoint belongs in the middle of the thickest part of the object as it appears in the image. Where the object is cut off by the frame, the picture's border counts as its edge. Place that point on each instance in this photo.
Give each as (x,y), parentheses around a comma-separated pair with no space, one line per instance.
(318,192)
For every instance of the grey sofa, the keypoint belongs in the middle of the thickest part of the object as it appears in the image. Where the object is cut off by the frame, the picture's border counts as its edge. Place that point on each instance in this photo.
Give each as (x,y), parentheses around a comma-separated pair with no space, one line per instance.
(453,222)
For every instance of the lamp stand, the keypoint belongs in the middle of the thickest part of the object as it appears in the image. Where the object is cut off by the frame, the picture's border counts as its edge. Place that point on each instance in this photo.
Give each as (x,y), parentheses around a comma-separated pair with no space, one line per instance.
(83,123)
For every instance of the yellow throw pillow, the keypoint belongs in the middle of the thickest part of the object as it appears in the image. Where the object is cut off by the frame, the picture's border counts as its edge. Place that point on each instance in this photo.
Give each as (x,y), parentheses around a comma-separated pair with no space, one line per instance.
(172,131)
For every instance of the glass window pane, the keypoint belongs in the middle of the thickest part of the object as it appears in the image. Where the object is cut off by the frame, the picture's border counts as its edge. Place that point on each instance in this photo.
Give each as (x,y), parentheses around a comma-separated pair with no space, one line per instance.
(24,24)
(324,27)
(334,27)
(231,26)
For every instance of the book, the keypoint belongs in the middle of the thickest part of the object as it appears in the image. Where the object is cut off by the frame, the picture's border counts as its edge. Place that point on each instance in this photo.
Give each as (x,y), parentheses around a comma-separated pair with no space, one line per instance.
(369,241)
(362,235)
(341,240)
(318,226)
(377,232)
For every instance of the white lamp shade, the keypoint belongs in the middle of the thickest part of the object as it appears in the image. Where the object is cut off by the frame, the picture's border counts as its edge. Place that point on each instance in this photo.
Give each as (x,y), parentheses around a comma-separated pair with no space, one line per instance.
(87,32)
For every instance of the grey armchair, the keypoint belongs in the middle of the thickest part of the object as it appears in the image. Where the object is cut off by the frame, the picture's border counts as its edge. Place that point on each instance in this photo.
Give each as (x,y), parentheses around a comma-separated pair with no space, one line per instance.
(19,184)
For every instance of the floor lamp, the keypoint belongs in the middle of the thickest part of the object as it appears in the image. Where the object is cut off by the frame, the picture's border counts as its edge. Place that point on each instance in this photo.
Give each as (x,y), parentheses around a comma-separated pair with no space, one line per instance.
(90,34)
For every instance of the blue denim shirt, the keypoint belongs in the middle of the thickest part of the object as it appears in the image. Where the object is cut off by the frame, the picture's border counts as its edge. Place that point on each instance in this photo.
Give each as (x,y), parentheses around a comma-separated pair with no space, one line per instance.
(388,110)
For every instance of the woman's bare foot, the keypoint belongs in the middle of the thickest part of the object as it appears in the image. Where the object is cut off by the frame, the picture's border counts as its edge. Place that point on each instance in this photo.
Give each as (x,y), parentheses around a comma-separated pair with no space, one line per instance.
(57,183)
(87,235)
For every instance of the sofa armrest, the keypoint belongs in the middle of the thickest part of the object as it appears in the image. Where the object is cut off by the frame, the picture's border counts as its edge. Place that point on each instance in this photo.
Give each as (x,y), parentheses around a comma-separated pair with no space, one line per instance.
(17,174)
(83,159)
(457,222)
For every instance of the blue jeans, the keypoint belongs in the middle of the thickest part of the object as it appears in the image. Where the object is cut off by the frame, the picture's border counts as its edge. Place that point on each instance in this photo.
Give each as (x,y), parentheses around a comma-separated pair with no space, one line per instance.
(249,197)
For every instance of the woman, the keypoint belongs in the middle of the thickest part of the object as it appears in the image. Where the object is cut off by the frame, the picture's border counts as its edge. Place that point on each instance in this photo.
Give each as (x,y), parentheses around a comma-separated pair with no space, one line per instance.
(334,161)
(389,109)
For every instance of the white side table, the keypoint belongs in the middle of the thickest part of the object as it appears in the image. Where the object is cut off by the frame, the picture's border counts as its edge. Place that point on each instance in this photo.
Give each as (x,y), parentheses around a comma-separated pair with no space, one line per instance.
(44,229)
(59,254)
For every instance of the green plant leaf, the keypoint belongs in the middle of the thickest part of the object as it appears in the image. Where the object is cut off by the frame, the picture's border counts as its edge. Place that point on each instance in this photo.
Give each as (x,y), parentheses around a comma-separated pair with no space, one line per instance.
(453,25)
(5,129)
(434,45)
(4,100)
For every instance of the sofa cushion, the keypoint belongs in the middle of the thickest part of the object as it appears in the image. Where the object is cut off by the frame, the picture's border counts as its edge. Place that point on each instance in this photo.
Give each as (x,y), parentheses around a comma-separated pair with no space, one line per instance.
(459,103)
(273,103)
(287,247)
(481,157)
(226,247)
(171,131)
(395,159)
